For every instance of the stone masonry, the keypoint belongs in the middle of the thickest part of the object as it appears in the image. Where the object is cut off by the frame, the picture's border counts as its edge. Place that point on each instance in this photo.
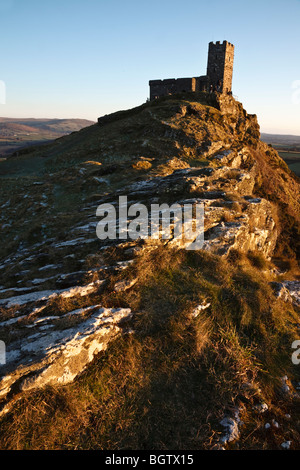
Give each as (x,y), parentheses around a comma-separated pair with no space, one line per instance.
(218,77)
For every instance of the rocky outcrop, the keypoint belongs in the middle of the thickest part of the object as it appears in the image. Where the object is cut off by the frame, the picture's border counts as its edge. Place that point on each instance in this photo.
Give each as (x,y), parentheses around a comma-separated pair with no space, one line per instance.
(42,349)
(288,291)
(51,355)
(53,320)
(45,346)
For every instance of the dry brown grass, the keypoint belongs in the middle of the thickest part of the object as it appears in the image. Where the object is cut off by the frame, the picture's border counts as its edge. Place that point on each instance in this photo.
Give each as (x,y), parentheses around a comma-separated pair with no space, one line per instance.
(142,165)
(169,384)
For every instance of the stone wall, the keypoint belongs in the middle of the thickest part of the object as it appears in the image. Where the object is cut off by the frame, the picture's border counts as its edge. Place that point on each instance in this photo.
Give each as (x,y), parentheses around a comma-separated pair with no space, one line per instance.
(172,86)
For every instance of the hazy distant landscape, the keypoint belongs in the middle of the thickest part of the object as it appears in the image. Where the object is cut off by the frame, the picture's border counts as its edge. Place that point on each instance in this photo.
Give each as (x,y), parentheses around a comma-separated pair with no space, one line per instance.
(288,147)
(20,133)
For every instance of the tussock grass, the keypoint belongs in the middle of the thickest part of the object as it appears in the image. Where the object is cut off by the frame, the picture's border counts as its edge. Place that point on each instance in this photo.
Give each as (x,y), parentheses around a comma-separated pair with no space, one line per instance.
(257,259)
(168,384)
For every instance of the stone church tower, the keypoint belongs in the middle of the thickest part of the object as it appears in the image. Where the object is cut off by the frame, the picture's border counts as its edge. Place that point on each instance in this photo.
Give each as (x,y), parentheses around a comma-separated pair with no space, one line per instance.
(220,65)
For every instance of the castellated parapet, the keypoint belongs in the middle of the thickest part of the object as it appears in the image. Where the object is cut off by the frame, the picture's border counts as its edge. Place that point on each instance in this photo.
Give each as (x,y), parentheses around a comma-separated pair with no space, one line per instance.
(218,77)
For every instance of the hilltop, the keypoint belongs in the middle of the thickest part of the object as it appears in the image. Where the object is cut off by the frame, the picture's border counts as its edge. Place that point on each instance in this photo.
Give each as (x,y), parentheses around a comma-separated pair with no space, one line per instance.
(143,344)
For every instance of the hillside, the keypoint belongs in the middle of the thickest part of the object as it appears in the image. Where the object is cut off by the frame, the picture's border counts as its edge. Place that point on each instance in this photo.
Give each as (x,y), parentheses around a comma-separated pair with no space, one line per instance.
(288,147)
(16,134)
(143,343)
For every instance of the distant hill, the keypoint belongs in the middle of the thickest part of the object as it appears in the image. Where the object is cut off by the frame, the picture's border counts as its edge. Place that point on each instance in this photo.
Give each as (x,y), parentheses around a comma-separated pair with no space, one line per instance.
(19,133)
(56,127)
(283,140)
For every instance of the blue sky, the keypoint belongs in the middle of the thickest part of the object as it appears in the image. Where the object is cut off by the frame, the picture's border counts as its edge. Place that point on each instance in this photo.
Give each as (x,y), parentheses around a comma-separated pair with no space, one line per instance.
(86,58)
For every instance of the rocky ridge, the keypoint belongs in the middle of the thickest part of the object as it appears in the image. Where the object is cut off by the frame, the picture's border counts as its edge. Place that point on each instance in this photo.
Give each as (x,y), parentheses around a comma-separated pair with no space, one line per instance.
(53,320)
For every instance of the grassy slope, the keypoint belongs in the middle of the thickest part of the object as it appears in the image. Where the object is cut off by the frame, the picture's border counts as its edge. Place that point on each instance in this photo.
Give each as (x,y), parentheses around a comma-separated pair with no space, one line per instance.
(168,385)
(288,148)
(292,159)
